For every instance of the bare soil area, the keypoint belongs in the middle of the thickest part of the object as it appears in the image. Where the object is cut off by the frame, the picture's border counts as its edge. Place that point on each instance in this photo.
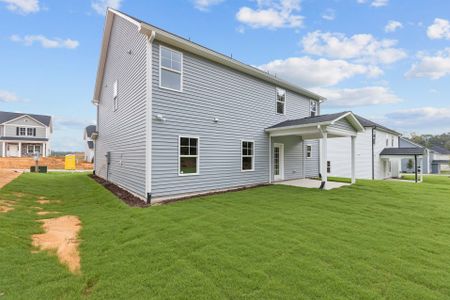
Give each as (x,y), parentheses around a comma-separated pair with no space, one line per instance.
(6,176)
(61,235)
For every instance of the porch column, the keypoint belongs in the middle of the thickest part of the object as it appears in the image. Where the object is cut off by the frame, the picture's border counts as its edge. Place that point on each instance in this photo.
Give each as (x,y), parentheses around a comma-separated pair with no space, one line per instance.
(44,150)
(270,158)
(416,168)
(20,149)
(323,166)
(3,149)
(421,169)
(353,153)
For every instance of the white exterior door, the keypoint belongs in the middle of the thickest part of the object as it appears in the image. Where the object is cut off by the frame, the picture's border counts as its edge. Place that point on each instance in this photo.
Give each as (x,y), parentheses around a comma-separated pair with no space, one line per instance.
(12,150)
(278,162)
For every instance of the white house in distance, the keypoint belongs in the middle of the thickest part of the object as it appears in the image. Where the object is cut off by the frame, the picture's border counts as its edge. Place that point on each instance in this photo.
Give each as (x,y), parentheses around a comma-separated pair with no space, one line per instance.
(89,143)
(370,161)
(24,134)
(435,159)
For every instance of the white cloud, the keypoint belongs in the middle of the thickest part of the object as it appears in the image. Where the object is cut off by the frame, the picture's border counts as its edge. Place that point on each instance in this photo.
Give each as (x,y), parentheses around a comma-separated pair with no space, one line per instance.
(45,42)
(392,26)
(100,6)
(309,72)
(366,96)
(418,119)
(375,3)
(362,47)
(204,5)
(271,14)
(433,67)
(22,6)
(7,96)
(440,29)
(329,15)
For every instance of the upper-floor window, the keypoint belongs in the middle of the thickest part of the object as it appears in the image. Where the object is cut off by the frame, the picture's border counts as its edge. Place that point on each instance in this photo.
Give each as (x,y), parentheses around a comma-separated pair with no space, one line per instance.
(328,166)
(392,141)
(247,156)
(387,141)
(281,101)
(188,155)
(24,131)
(116,95)
(308,151)
(313,108)
(171,69)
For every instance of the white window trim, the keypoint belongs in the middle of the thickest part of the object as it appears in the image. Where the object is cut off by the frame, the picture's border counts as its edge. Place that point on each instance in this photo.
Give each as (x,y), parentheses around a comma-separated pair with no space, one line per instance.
(172,70)
(276,101)
(306,152)
(179,155)
(253,156)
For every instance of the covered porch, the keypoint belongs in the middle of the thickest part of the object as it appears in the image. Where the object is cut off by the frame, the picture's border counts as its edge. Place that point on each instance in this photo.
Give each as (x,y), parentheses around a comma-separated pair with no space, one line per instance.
(320,128)
(23,148)
(397,154)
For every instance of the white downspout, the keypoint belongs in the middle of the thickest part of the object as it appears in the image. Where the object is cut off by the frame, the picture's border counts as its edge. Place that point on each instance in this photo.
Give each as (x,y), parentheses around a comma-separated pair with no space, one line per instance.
(270,158)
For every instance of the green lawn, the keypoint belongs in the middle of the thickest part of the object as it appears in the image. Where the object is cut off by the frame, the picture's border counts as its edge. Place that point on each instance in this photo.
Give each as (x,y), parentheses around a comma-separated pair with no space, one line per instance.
(372,240)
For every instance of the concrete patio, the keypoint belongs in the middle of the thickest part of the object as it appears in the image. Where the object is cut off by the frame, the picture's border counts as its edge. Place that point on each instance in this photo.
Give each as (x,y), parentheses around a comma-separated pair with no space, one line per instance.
(312,184)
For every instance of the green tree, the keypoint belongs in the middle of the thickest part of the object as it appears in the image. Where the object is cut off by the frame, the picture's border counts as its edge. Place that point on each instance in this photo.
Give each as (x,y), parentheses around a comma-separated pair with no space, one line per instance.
(410,164)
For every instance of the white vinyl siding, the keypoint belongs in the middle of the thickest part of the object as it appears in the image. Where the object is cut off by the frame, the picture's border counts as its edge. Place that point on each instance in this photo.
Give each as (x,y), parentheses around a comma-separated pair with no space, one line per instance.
(115,96)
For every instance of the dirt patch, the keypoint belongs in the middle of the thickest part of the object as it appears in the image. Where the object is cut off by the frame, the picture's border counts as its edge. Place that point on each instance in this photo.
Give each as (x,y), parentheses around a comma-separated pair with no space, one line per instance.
(6,206)
(43,201)
(61,235)
(44,213)
(122,194)
(6,176)
(52,162)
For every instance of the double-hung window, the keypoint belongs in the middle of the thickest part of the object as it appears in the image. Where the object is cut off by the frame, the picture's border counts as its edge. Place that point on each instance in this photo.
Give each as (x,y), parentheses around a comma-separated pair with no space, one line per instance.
(247,157)
(171,69)
(313,108)
(308,151)
(22,131)
(328,167)
(281,101)
(188,155)
(29,131)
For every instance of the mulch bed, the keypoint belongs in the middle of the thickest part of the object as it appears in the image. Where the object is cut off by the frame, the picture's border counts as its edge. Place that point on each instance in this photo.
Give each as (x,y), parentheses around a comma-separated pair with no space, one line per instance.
(125,196)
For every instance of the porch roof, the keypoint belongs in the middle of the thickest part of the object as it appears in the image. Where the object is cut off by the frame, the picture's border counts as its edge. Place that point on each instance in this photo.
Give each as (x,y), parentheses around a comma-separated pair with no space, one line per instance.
(23,139)
(402,151)
(316,127)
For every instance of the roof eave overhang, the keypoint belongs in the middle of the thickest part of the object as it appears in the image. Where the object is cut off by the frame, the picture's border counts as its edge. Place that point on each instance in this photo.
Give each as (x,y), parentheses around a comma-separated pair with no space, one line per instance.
(173,40)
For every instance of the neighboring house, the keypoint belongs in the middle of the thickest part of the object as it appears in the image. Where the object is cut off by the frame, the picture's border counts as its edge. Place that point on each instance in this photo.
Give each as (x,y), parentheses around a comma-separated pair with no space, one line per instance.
(24,134)
(408,164)
(175,118)
(89,143)
(370,163)
(441,159)
(435,159)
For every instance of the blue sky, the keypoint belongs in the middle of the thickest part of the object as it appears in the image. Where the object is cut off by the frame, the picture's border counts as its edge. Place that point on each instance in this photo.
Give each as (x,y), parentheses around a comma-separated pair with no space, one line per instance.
(387,60)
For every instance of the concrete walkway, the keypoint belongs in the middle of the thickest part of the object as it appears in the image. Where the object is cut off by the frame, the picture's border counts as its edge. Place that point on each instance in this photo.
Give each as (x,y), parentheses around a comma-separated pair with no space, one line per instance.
(312,184)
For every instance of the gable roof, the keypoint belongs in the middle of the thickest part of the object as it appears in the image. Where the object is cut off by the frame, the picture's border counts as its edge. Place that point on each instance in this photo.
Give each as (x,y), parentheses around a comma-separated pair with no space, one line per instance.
(440,149)
(90,129)
(155,33)
(319,120)
(414,144)
(368,123)
(8,116)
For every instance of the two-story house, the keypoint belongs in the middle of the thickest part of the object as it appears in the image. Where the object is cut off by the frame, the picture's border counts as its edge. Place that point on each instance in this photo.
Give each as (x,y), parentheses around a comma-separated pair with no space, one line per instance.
(24,134)
(370,159)
(89,143)
(175,118)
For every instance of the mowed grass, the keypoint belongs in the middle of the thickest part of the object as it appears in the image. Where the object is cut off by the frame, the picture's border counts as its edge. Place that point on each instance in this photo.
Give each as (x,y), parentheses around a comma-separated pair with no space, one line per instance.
(372,240)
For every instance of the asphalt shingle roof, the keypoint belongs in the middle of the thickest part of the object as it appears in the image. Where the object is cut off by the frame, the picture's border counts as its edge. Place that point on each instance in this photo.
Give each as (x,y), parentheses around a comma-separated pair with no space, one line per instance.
(440,149)
(367,123)
(309,120)
(8,116)
(402,151)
